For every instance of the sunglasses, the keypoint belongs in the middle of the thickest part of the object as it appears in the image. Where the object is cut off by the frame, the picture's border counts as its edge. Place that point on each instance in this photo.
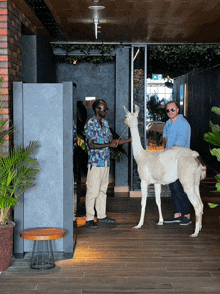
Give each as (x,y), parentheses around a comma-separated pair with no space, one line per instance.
(172,109)
(103,109)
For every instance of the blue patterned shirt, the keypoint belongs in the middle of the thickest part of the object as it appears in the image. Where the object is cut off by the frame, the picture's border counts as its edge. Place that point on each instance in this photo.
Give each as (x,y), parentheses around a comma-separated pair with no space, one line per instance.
(100,135)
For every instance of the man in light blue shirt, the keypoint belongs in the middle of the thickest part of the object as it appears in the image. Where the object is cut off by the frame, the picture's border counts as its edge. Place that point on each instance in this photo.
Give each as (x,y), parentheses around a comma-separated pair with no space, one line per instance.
(177,133)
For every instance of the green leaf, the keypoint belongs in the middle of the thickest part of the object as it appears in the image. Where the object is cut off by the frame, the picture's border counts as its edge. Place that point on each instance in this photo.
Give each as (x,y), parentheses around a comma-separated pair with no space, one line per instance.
(218,186)
(216,152)
(214,139)
(213,205)
(216,110)
(215,128)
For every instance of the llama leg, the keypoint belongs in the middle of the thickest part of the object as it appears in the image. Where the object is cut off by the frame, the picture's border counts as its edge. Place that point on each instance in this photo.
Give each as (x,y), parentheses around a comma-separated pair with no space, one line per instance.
(198,207)
(157,188)
(199,219)
(190,179)
(143,204)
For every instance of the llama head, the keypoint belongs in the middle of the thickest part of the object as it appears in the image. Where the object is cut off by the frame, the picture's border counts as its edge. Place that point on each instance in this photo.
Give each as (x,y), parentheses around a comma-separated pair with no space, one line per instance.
(131,118)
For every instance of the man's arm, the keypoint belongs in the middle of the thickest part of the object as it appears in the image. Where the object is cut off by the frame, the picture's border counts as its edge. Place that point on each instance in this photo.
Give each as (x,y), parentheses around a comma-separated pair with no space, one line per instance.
(121,142)
(112,143)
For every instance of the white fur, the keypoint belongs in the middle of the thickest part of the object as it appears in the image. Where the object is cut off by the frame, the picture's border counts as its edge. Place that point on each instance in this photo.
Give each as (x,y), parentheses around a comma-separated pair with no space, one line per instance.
(165,167)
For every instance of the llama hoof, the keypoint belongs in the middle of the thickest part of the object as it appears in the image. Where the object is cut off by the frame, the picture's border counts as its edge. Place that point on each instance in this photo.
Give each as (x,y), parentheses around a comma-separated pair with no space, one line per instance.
(193,235)
(136,227)
(160,223)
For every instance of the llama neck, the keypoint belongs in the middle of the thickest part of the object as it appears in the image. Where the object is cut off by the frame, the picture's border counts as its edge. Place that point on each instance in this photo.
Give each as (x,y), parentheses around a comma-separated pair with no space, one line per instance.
(136,142)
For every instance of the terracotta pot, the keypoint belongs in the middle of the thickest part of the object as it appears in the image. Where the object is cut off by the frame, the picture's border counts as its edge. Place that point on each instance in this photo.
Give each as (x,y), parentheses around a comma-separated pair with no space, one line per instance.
(6,245)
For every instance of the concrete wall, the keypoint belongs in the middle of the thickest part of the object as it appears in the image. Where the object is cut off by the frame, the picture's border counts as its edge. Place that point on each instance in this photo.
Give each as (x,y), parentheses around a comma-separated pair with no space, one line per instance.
(122,99)
(38,65)
(111,82)
(96,80)
(44,113)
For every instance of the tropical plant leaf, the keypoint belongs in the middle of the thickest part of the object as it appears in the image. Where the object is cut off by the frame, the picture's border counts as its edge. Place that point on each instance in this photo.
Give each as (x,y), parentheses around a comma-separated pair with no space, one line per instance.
(212,138)
(216,152)
(216,110)
(218,186)
(213,205)
(215,128)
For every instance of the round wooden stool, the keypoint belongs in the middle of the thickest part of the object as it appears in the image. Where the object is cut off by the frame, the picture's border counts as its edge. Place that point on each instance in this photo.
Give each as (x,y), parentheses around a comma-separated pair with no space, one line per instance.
(42,254)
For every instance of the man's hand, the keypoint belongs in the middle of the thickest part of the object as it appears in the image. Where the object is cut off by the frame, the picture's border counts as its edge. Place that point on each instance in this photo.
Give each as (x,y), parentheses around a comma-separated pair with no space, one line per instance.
(113,144)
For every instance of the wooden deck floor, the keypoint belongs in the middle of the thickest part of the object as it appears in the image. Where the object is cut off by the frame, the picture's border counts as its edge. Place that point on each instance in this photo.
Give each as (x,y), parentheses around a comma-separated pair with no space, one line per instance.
(119,259)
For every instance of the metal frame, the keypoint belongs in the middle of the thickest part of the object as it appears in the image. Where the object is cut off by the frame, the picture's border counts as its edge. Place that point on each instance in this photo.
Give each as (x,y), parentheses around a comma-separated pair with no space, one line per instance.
(132,99)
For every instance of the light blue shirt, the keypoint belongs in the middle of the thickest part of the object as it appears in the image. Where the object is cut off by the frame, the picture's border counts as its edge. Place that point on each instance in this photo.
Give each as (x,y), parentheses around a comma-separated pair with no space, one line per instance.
(177,133)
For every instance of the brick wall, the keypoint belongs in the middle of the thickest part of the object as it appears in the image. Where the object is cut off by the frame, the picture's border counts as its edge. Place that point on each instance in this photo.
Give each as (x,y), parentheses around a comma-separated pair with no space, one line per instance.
(11,21)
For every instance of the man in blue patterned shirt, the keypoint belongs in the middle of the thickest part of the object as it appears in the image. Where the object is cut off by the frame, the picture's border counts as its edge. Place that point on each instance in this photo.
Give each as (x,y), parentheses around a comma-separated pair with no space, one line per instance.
(99,140)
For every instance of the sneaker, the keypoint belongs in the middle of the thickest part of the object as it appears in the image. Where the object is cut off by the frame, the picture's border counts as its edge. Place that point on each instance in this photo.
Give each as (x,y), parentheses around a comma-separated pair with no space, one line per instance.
(106,220)
(185,221)
(91,224)
(173,219)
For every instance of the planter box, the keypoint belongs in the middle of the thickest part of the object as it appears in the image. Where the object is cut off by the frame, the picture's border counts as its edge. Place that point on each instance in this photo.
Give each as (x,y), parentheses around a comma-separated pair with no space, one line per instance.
(6,245)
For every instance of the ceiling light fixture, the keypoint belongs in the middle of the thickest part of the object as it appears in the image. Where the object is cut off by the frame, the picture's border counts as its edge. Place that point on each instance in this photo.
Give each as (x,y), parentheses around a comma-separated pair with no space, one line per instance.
(95,17)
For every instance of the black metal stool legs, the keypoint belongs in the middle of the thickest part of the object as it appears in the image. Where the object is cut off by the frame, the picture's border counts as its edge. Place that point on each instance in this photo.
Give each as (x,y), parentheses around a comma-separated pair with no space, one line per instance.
(42,258)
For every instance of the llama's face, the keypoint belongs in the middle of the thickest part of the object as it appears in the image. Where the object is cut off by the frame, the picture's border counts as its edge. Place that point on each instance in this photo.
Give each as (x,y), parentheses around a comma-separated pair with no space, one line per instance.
(131,118)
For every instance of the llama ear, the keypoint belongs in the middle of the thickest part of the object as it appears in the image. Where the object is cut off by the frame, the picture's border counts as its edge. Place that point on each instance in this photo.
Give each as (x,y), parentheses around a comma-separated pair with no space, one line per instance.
(126,110)
(136,109)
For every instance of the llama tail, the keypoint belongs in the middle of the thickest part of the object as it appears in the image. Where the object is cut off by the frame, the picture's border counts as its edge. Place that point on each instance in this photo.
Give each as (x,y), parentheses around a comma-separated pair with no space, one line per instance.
(202,163)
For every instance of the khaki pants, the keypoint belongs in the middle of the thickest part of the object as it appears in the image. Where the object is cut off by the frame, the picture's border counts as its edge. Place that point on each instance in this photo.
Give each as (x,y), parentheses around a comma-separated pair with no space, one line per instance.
(96,184)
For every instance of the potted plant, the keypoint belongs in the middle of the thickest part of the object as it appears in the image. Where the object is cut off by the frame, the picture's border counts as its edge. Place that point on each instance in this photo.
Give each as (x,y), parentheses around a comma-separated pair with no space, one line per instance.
(17,173)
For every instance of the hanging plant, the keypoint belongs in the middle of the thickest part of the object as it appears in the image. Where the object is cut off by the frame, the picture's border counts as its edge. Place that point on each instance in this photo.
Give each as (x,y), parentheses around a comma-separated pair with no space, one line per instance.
(85,53)
(72,59)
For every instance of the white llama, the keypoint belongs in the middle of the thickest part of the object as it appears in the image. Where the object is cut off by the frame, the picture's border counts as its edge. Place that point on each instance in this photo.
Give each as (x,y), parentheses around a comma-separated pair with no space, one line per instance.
(165,167)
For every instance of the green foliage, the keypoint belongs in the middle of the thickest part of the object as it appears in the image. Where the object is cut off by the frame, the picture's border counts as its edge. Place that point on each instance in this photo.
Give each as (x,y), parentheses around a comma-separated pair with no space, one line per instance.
(216,110)
(17,171)
(213,137)
(216,152)
(156,109)
(86,53)
(170,60)
(213,205)
(176,60)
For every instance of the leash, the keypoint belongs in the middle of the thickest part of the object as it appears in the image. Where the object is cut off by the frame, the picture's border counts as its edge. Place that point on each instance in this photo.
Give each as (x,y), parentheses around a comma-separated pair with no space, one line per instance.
(122,134)
(120,137)
(125,131)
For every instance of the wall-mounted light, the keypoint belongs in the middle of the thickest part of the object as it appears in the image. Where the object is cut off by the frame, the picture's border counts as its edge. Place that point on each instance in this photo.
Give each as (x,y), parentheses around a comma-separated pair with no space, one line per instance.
(96,17)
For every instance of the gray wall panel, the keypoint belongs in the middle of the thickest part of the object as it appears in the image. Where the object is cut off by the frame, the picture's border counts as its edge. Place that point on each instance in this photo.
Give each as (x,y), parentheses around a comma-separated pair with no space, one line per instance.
(18,140)
(68,166)
(122,99)
(47,120)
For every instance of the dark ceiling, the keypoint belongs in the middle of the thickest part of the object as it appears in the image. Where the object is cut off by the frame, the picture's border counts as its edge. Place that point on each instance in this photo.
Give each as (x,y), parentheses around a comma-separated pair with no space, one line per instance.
(129,21)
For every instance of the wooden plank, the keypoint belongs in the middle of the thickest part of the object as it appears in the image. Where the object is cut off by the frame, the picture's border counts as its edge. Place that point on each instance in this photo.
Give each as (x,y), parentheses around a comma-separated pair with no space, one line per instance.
(119,259)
